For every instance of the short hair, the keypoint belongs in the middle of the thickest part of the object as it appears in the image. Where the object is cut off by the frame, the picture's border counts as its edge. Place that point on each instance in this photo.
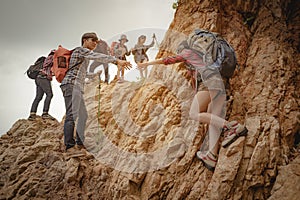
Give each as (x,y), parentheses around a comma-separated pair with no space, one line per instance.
(88,35)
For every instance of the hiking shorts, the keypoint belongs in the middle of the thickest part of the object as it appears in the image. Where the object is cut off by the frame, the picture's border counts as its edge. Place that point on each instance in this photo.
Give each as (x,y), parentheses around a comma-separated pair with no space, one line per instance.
(212,80)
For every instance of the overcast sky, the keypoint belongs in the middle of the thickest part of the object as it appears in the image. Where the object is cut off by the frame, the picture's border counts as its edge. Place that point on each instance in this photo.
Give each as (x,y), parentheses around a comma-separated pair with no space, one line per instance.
(31,28)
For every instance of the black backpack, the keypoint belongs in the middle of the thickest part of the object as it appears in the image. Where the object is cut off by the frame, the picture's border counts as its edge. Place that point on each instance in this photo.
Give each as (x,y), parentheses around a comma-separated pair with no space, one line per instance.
(35,69)
(213,49)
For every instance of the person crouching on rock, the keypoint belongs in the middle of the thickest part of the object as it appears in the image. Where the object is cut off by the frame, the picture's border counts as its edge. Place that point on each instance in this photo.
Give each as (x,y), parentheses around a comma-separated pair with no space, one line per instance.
(72,87)
(207,105)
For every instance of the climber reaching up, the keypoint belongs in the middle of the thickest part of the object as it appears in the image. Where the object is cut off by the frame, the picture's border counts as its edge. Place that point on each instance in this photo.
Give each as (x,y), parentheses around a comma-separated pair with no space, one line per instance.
(211,68)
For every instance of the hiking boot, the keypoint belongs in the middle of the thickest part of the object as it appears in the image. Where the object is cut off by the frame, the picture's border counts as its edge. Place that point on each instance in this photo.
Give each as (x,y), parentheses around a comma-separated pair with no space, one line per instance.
(234,130)
(209,159)
(81,146)
(32,117)
(47,116)
(121,80)
(73,152)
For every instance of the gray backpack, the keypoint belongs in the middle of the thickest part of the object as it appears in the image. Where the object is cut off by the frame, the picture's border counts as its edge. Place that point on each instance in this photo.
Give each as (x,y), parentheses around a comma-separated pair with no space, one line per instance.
(213,49)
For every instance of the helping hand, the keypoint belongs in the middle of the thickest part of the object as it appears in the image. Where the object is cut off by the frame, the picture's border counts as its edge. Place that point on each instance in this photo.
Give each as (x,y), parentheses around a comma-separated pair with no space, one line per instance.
(142,65)
(124,64)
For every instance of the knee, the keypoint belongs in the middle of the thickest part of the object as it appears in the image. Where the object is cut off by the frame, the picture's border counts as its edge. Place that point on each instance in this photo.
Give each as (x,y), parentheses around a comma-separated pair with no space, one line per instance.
(38,97)
(50,95)
(84,116)
(193,114)
(69,120)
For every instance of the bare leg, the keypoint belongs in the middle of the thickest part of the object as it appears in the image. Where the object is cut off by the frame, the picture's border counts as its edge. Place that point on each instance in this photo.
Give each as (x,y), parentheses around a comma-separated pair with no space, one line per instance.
(146,69)
(122,70)
(118,72)
(141,73)
(206,108)
(216,107)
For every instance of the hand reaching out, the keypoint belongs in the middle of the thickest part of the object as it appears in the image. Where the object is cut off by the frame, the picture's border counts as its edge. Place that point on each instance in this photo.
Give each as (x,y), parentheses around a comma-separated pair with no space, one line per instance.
(142,65)
(124,64)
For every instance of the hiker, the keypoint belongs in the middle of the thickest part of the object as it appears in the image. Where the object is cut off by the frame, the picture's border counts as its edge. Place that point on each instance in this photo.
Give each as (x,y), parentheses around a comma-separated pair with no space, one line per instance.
(208,103)
(43,86)
(140,56)
(72,87)
(102,47)
(120,51)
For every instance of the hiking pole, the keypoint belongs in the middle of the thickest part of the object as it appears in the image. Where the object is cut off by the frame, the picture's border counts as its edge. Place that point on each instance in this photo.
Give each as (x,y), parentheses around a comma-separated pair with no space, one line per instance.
(157,44)
(99,91)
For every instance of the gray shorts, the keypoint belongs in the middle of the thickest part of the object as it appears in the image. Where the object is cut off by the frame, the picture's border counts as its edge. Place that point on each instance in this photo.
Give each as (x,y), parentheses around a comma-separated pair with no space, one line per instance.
(212,80)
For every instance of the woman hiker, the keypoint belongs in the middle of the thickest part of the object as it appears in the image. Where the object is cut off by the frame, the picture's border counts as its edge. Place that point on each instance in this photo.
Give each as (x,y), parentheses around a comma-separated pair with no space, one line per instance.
(139,53)
(207,105)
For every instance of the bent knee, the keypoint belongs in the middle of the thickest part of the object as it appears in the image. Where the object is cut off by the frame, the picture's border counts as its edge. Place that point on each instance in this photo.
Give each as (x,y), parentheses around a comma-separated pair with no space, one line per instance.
(194,114)
(50,95)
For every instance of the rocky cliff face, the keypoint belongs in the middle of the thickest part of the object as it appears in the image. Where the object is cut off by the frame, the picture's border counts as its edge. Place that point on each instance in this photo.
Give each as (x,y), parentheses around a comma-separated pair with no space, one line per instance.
(140,140)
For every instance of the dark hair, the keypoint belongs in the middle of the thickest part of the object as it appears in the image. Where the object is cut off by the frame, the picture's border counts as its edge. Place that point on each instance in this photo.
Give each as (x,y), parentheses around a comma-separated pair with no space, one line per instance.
(88,35)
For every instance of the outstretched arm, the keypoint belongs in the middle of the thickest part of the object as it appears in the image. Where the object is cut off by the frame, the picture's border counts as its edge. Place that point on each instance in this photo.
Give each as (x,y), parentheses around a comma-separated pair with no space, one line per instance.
(154,62)
(124,64)
(165,61)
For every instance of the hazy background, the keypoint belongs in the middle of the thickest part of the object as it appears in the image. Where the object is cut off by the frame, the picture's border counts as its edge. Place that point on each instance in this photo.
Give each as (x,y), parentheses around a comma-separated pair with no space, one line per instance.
(31,28)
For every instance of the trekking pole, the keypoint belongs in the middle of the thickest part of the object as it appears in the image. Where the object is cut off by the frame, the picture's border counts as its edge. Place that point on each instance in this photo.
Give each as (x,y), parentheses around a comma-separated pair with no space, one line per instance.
(98,114)
(157,44)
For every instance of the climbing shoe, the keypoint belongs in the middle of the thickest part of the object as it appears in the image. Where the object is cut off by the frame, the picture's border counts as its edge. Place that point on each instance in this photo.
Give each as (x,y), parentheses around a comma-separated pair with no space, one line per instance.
(47,116)
(209,159)
(32,116)
(232,132)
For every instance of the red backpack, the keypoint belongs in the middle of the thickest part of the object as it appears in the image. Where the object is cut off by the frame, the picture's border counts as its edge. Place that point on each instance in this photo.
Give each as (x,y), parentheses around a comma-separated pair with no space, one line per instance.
(61,59)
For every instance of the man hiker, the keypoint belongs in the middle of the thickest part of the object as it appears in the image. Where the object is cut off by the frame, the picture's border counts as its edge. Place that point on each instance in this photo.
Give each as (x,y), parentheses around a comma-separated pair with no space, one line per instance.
(43,86)
(140,53)
(208,103)
(72,87)
(120,52)
(102,47)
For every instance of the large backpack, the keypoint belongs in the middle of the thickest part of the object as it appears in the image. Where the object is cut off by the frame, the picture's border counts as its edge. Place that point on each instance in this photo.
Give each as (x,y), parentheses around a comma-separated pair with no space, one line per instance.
(61,59)
(112,48)
(34,70)
(213,49)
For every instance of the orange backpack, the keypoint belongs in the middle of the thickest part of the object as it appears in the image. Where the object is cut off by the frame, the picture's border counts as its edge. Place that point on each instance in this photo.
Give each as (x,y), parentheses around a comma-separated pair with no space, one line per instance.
(61,59)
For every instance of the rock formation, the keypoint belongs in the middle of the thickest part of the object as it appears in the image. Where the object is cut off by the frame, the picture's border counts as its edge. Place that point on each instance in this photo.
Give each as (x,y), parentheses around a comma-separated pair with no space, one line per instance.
(141,143)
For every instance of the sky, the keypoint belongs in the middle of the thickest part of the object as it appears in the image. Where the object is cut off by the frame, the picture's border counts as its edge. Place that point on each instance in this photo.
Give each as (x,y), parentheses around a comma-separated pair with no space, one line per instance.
(31,28)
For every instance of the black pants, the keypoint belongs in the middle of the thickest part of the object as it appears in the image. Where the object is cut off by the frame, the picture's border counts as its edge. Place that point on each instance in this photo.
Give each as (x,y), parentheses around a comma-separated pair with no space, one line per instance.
(75,109)
(43,85)
(95,64)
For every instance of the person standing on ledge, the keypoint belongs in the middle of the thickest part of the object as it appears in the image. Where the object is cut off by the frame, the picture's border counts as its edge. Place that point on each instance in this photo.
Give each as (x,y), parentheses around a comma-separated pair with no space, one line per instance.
(102,47)
(140,54)
(72,87)
(120,52)
(43,86)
